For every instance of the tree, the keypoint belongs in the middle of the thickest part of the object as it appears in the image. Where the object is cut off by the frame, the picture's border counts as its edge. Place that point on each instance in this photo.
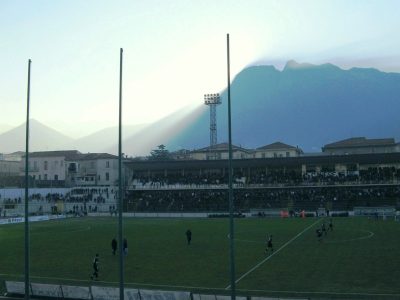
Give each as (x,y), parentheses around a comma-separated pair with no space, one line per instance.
(161,153)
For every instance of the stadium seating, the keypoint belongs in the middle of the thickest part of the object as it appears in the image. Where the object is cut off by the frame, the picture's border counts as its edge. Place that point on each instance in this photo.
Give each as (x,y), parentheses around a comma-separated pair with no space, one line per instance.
(372,175)
(339,198)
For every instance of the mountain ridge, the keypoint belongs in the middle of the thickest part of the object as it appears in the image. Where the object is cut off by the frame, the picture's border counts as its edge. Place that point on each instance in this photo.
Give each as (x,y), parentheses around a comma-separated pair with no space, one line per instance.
(41,138)
(303,104)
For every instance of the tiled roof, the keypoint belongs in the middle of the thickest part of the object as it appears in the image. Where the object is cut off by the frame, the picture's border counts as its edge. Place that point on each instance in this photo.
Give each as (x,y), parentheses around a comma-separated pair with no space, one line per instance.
(92,156)
(361,142)
(63,153)
(17,153)
(275,146)
(221,147)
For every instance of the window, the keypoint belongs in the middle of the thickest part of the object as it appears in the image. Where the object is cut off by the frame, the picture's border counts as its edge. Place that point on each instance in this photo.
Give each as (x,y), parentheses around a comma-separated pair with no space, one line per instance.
(98,177)
(107,164)
(55,177)
(45,165)
(107,176)
(275,154)
(72,167)
(45,176)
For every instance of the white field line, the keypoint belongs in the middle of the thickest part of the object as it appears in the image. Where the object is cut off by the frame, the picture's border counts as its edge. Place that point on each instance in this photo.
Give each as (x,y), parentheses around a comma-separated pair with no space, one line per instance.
(206,288)
(370,235)
(275,252)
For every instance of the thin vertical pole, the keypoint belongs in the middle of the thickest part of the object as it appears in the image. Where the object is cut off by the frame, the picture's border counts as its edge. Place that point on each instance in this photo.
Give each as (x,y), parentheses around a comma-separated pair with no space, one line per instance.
(231,204)
(121,253)
(27,185)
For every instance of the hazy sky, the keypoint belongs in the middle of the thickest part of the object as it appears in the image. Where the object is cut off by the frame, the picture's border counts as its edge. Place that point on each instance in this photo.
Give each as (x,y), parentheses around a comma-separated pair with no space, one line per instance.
(174,51)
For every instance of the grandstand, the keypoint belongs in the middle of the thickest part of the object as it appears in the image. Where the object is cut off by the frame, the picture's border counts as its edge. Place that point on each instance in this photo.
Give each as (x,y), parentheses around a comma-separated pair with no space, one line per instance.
(333,198)
(334,183)
(76,200)
(359,185)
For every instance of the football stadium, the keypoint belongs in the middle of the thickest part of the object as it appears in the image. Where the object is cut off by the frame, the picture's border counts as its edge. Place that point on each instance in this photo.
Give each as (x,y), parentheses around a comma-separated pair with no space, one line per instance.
(241,220)
(319,227)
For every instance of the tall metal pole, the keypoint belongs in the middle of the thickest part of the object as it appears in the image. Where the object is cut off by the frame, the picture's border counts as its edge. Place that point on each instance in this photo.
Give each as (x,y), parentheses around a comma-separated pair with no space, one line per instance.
(231,204)
(212,100)
(27,185)
(120,235)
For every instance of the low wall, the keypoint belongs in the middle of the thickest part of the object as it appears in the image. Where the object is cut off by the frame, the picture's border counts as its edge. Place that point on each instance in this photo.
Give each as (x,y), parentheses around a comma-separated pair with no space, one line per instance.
(166,215)
(110,293)
(31,219)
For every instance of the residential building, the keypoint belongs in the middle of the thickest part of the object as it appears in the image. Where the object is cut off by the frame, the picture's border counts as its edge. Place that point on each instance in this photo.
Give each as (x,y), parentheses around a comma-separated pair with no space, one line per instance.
(47,168)
(220,151)
(15,156)
(92,169)
(277,149)
(9,168)
(180,154)
(361,145)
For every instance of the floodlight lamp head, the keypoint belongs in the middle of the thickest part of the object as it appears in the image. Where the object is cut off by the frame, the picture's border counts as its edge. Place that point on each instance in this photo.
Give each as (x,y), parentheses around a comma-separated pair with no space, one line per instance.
(211,99)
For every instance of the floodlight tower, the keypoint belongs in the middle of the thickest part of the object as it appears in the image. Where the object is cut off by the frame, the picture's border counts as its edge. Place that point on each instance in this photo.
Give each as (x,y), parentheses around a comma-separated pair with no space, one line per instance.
(212,100)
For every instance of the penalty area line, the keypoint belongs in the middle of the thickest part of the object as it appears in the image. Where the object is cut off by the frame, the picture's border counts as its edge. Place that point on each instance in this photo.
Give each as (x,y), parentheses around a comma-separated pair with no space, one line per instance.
(275,252)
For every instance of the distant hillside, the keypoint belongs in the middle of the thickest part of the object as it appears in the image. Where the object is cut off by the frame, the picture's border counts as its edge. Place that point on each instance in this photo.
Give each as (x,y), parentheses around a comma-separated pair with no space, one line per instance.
(305,105)
(42,138)
(160,132)
(102,140)
(4,128)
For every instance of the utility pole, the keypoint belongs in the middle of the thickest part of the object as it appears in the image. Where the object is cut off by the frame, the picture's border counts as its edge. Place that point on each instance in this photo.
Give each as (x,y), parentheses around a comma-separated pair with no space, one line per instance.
(27,285)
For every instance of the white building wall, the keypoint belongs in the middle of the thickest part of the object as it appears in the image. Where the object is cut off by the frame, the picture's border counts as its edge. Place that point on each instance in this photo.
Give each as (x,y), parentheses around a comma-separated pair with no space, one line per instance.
(235,155)
(45,168)
(9,168)
(104,167)
(362,150)
(276,153)
(221,155)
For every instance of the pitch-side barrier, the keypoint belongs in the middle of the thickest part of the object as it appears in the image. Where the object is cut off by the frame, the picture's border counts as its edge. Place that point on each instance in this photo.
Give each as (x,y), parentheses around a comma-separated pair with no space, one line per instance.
(55,291)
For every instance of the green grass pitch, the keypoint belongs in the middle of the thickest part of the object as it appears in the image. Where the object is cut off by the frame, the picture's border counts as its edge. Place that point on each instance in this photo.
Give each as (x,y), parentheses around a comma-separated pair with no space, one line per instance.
(359,259)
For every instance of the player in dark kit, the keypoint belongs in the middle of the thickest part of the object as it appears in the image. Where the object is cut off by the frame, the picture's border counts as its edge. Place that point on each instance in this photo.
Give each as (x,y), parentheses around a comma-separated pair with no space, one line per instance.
(188,236)
(269,245)
(319,234)
(95,267)
(323,228)
(114,246)
(125,246)
(330,225)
